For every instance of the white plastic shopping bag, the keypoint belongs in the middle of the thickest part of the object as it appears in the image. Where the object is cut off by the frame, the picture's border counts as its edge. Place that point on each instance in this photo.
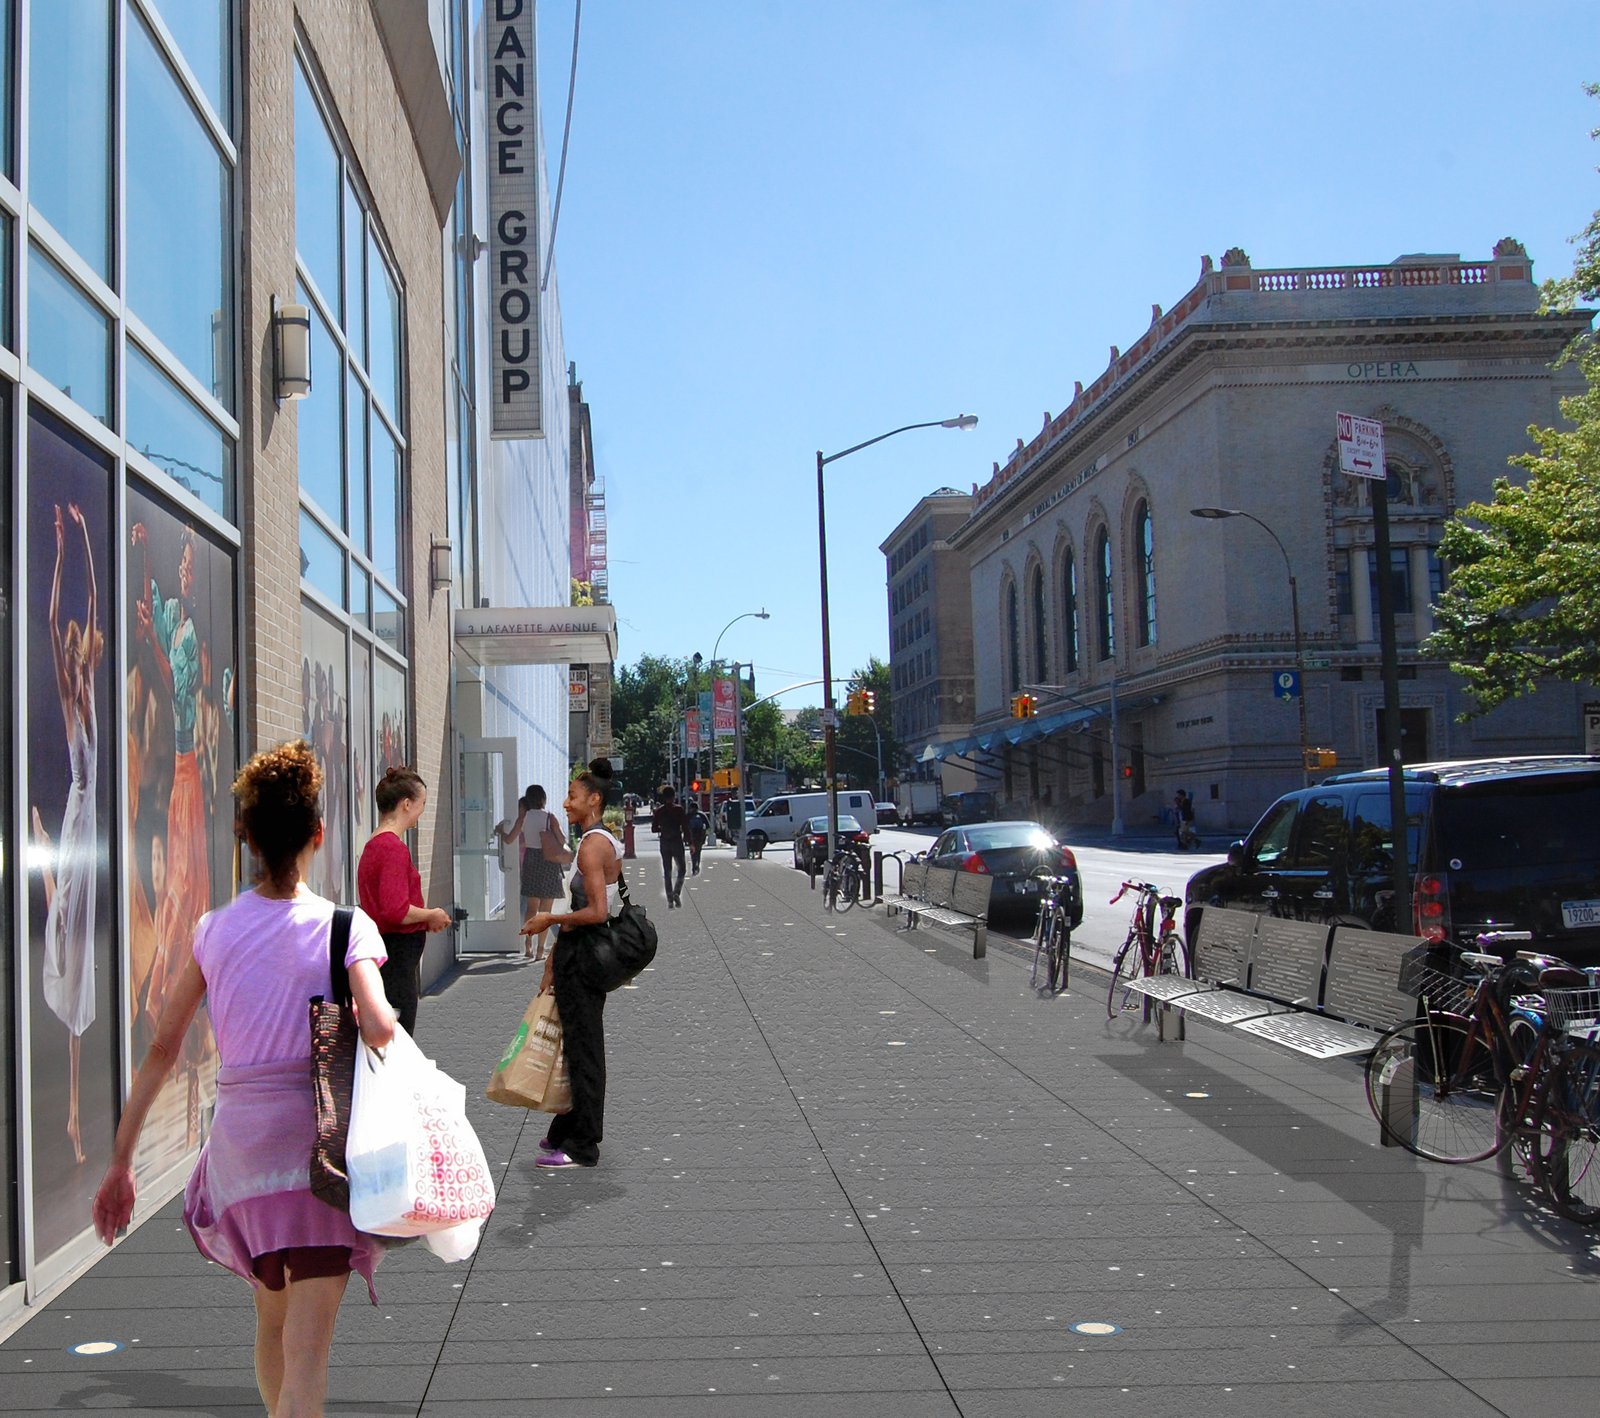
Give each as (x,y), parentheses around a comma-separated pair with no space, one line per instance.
(455,1242)
(415,1164)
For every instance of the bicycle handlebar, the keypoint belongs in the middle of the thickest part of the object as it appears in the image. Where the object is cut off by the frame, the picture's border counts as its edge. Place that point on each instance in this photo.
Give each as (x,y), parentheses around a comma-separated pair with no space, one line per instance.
(1140,886)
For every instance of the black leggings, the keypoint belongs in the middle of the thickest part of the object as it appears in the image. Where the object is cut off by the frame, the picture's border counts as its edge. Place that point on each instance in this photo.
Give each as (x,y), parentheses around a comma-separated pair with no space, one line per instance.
(402,975)
(581,1005)
(672,856)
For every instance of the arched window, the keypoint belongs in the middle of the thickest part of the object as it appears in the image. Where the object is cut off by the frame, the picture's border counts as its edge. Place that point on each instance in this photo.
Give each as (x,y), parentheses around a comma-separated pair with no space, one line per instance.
(1041,629)
(1069,615)
(1144,557)
(1013,640)
(1105,628)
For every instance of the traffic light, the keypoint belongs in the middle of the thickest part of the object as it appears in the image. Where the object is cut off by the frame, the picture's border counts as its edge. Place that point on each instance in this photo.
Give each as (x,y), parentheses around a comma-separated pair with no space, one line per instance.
(726,778)
(1321,758)
(694,787)
(869,701)
(1024,706)
(854,703)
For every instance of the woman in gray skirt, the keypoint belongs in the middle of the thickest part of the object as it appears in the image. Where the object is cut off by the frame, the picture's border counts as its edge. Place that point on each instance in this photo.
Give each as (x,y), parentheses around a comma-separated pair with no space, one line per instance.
(545,858)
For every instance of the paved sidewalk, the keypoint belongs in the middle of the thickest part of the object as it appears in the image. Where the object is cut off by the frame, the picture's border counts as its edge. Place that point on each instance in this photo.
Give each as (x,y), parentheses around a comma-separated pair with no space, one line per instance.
(851,1169)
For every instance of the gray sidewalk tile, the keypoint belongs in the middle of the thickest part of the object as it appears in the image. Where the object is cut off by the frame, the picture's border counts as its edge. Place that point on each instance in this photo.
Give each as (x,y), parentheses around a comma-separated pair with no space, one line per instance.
(850,1169)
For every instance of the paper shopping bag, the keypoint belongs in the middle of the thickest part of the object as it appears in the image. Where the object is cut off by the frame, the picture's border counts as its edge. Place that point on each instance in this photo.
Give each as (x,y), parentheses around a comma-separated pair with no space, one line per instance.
(533,1071)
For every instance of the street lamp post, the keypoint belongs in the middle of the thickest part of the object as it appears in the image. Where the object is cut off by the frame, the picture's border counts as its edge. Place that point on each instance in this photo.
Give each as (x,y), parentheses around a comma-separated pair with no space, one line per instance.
(828,713)
(739,848)
(1216,514)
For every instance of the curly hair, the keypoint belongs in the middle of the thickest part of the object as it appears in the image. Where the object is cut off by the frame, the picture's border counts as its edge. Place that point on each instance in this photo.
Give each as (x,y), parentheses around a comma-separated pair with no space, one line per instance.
(279,797)
(399,784)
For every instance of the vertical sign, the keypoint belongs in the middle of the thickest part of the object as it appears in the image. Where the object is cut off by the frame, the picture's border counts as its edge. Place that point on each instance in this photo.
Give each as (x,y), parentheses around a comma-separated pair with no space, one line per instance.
(1591,728)
(723,710)
(514,271)
(578,689)
(705,718)
(691,731)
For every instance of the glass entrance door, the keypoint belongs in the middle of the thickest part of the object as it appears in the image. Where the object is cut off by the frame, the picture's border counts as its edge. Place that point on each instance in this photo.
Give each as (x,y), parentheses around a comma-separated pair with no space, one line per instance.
(487,873)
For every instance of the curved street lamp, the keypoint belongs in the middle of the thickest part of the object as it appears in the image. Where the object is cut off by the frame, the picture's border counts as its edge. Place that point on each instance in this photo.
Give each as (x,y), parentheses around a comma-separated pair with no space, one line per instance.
(738,726)
(1216,514)
(828,717)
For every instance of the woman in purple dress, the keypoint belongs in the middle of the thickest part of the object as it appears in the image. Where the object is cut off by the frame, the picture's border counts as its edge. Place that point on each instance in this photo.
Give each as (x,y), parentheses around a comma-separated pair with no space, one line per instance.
(249,1205)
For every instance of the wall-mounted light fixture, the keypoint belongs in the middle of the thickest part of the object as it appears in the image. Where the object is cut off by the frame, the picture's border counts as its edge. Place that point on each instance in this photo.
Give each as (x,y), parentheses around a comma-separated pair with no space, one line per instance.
(439,569)
(291,351)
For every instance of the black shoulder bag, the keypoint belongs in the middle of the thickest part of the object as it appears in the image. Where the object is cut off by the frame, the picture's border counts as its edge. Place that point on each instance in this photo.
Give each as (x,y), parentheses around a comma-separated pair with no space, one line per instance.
(333,1069)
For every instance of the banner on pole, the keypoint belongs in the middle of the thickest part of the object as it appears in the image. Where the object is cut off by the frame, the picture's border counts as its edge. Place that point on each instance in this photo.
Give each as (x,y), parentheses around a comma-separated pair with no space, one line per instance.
(724,712)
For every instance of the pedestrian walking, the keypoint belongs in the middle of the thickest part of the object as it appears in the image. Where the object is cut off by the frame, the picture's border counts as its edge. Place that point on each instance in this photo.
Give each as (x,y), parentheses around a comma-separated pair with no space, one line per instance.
(672,829)
(389,888)
(1183,819)
(574,1137)
(249,1204)
(699,826)
(545,858)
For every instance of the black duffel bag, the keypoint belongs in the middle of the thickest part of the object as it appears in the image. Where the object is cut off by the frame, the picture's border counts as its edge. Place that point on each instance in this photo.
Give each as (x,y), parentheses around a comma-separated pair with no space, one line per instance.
(623,946)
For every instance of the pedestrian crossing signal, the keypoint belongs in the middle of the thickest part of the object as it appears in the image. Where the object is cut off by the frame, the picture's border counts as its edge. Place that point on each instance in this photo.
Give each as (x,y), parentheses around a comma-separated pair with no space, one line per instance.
(1024,706)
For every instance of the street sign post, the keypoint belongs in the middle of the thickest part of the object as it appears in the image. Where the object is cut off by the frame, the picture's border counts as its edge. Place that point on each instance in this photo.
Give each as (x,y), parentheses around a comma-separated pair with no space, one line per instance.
(1361,455)
(1286,685)
(1591,727)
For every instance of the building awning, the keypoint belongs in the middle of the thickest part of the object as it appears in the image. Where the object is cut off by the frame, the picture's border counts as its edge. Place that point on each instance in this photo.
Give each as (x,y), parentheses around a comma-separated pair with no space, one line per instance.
(538,635)
(1027,730)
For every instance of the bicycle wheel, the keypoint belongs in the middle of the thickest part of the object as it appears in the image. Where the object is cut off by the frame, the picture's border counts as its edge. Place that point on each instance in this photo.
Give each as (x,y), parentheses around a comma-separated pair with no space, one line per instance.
(849,884)
(1174,955)
(1041,930)
(1456,1100)
(1566,1156)
(1128,966)
(1059,949)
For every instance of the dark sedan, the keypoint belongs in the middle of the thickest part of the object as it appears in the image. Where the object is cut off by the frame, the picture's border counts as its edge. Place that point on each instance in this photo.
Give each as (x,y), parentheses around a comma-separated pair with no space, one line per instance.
(1012,853)
(811,841)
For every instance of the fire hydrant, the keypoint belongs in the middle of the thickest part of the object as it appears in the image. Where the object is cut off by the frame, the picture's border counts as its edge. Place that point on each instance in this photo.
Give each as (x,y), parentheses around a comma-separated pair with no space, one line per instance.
(627,832)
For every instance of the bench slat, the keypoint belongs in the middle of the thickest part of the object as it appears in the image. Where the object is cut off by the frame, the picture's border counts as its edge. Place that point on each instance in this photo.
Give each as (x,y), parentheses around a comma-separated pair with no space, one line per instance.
(1167,987)
(1311,1034)
(1222,945)
(1288,960)
(971,893)
(1225,1006)
(1363,973)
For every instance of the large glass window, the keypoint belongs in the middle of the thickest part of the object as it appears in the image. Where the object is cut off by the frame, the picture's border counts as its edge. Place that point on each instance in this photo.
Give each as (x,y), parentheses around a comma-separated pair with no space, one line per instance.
(170,430)
(1041,627)
(203,32)
(351,445)
(8,31)
(69,124)
(1105,620)
(1069,615)
(69,337)
(1144,551)
(1399,579)
(1013,640)
(317,191)
(179,185)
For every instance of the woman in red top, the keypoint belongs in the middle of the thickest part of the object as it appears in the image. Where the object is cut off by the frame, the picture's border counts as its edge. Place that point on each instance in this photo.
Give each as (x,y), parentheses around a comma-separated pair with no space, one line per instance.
(390,890)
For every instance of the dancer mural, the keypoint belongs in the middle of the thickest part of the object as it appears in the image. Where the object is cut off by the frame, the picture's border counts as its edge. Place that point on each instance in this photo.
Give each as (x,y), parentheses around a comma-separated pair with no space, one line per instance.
(73,1034)
(182,753)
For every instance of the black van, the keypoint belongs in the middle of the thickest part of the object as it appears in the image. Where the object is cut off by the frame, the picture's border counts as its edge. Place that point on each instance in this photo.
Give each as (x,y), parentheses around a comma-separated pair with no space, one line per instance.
(1494,844)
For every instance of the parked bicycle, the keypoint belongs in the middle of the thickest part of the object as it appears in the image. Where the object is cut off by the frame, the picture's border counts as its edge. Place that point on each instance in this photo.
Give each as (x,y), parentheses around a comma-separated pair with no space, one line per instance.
(1464,1080)
(842,879)
(1052,933)
(1152,947)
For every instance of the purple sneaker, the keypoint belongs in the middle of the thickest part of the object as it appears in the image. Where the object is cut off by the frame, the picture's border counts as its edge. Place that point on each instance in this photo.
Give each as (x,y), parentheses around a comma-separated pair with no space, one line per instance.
(553,1157)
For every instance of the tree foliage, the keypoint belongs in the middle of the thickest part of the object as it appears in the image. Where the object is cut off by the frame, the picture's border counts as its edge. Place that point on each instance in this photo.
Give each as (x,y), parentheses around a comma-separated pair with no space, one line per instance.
(1523,602)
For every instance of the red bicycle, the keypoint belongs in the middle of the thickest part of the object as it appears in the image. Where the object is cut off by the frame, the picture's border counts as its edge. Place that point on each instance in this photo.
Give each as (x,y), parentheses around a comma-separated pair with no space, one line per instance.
(1152,947)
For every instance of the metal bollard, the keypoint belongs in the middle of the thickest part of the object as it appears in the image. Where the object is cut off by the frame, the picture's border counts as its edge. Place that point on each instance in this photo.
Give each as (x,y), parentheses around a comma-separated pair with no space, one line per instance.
(1397,1098)
(877,876)
(627,840)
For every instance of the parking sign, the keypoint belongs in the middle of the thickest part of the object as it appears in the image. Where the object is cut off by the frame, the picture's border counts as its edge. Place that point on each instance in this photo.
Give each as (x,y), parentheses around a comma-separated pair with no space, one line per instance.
(1361,446)
(1591,728)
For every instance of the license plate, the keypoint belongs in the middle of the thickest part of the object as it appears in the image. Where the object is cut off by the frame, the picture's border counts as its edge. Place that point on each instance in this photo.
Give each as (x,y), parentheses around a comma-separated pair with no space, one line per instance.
(1027,888)
(1575,915)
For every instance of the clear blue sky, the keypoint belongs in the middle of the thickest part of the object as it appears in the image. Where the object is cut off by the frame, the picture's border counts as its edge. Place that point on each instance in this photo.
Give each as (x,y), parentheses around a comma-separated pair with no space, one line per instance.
(796,224)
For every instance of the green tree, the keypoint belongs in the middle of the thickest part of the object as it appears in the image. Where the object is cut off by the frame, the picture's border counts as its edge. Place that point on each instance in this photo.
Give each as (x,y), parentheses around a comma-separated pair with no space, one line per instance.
(856,742)
(1523,602)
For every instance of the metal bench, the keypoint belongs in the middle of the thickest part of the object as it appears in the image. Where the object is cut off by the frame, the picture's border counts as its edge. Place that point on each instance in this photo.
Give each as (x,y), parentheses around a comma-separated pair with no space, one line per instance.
(957,900)
(1320,990)
(913,877)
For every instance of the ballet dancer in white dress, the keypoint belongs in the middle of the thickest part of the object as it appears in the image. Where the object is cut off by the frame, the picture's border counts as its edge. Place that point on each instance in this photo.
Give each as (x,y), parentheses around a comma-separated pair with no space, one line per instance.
(68,975)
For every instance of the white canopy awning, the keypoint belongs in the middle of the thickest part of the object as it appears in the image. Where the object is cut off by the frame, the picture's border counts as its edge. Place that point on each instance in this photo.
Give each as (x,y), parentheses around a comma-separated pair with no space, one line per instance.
(538,635)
